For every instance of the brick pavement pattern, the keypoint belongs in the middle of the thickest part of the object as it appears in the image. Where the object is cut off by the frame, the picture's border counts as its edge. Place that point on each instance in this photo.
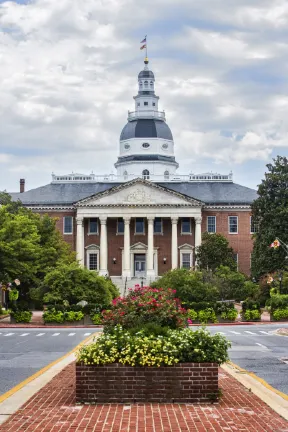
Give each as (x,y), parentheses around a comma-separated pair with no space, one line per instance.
(53,409)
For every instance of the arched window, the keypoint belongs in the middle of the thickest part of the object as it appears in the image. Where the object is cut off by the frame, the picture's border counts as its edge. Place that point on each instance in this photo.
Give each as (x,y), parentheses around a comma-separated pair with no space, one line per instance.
(145,174)
(125,175)
(151,84)
(146,84)
(166,175)
(140,84)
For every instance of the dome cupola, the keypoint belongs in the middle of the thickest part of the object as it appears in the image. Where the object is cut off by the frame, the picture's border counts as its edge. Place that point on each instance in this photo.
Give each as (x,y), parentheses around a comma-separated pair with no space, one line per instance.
(146,141)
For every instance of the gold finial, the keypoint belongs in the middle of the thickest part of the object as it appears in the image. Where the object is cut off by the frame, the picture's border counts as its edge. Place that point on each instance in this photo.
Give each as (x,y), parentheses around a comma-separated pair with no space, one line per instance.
(146,61)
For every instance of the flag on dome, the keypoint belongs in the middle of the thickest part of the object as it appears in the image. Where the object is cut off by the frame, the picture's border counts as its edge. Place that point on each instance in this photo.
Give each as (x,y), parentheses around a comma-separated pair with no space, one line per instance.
(144,40)
(143,46)
(275,244)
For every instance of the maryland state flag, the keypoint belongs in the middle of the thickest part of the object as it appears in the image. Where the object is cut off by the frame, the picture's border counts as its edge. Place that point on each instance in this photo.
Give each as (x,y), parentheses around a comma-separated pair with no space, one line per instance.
(275,244)
(142,47)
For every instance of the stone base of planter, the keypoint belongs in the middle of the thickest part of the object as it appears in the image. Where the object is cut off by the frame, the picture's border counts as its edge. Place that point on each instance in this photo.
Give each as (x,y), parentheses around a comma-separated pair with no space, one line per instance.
(115,383)
(281,320)
(87,320)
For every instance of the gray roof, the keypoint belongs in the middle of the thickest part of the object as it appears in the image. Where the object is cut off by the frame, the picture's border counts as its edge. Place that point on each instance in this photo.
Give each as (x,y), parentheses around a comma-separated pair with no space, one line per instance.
(69,193)
(146,128)
(146,157)
(146,74)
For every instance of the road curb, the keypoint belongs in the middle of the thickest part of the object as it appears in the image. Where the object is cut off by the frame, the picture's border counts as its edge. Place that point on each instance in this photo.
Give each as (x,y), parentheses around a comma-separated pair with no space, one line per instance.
(13,399)
(275,399)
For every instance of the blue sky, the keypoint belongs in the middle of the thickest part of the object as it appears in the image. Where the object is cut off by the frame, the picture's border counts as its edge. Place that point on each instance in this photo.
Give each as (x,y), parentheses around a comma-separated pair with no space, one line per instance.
(69,73)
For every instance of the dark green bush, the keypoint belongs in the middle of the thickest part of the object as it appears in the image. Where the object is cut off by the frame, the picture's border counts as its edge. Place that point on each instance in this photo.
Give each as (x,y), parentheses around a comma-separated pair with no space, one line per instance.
(279,301)
(22,316)
(250,304)
(150,329)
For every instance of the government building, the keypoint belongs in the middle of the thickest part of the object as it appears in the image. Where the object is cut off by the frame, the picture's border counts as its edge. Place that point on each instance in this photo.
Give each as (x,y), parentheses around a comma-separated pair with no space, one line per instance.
(146,219)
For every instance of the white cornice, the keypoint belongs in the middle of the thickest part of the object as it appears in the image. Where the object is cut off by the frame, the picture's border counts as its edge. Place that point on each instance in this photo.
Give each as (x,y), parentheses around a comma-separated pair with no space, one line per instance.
(227,207)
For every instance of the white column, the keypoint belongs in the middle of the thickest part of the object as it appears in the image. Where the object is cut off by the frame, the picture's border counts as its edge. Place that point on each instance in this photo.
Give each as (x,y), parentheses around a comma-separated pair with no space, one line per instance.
(150,273)
(103,247)
(80,240)
(198,234)
(174,248)
(126,271)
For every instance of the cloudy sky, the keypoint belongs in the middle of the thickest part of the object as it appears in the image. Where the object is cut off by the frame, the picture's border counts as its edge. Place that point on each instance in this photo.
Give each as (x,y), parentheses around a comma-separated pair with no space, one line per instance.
(69,71)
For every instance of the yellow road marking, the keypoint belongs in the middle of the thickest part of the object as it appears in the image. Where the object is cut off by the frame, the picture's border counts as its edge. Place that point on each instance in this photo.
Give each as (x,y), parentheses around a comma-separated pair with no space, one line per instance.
(41,371)
(261,380)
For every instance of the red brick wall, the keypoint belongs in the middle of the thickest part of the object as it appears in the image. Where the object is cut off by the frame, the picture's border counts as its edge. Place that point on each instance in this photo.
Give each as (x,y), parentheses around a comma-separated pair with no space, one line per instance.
(116,383)
(242,242)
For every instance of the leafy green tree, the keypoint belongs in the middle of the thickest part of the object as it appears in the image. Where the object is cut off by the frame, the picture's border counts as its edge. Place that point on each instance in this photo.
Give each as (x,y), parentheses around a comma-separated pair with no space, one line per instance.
(233,285)
(73,283)
(189,286)
(270,214)
(214,252)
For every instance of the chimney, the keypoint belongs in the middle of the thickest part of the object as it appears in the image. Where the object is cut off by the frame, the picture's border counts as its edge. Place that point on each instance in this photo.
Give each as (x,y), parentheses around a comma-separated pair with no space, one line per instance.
(22,185)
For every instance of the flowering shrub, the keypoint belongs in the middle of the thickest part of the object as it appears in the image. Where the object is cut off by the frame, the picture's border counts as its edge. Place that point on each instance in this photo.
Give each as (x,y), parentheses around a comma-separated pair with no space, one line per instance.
(180,345)
(143,305)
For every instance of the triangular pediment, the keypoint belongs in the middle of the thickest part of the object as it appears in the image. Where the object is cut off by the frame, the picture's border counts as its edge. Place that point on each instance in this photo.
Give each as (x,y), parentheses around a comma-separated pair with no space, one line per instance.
(139,192)
(138,246)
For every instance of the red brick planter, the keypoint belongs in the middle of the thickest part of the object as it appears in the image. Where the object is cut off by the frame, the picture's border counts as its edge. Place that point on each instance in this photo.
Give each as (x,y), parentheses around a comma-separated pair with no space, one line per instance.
(115,383)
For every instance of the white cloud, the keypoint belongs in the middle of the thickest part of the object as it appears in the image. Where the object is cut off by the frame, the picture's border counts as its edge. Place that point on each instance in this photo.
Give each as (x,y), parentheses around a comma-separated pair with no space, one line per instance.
(68,74)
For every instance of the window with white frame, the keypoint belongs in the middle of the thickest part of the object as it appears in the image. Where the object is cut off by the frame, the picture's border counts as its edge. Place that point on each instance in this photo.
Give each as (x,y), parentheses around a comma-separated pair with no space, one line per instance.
(233,224)
(120,226)
(93,226)
(93,261)
(211,224)
(68,225)
(139,226)
(158,225)
(186,260)
(235,257)
(185,226)
(253,226)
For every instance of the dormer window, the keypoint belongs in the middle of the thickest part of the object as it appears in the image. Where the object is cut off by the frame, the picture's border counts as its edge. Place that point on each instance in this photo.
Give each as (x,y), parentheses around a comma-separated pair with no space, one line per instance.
(146,84)
(145,174)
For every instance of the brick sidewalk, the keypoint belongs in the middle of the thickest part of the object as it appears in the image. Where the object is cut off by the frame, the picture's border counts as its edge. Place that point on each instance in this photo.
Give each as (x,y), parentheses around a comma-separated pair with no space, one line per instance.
(53,409)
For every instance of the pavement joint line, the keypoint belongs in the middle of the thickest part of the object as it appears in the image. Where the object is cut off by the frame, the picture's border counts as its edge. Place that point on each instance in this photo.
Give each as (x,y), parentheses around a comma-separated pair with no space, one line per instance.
(23,383)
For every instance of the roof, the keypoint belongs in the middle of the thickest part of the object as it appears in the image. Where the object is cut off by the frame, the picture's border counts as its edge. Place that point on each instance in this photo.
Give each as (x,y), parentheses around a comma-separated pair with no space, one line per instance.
(146,128)
(211,193)
(146,74)
(146,157)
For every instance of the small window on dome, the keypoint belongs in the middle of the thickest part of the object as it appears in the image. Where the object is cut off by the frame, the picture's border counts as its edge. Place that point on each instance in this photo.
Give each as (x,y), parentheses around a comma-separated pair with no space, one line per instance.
(165,146)
(153,104)
(151,84)
(138,104)
(141,84)
(145,174)
(127,146)
(146,84)
(125,175)
(166,175)
(145,145)
(145,103)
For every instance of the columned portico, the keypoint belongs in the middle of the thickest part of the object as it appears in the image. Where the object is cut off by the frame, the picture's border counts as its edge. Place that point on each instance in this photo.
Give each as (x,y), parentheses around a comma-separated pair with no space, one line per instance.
(80,240)
(150,251)
(103,247)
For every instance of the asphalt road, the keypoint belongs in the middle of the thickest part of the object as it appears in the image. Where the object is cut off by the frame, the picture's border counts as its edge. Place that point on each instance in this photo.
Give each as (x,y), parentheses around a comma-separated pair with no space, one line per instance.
(257,349)
(25,351)
(254,347)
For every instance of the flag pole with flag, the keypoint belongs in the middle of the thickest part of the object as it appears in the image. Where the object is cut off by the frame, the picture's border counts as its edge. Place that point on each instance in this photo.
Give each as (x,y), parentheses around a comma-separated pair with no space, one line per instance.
(144,45)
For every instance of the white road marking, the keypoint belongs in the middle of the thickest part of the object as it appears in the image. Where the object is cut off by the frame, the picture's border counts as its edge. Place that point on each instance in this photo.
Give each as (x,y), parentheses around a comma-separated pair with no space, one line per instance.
(260,331)
(71,334)
(87,334)
(250,332)
(25,334)
(9,334)
(262,346)
(234,332)
(40,334)
(56,334)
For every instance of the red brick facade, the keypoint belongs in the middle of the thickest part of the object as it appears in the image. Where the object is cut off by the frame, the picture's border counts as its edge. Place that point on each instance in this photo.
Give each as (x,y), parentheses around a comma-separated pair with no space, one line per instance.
(242,242)
(116,383)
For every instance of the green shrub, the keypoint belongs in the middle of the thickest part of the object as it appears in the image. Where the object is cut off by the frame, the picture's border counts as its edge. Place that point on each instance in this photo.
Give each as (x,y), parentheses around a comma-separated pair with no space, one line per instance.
(230,315)
(251,314)
(207,315)
(53,316)
(96,318)
(279,314)
(22,316)
(192,314)
(197,306)
(189,286)
(150,329)
(182,345)
(250,304)
(233,285)
(73,283)
(143,305)
(73,316)
(221,307)
(278,301)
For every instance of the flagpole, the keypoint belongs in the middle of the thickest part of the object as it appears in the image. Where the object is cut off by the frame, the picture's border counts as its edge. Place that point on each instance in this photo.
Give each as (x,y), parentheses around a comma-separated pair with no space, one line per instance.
(146,47)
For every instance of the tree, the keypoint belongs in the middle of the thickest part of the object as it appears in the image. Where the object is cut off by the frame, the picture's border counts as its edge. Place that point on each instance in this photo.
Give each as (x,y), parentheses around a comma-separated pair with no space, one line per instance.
(270,214)
(73,283)
(214,252)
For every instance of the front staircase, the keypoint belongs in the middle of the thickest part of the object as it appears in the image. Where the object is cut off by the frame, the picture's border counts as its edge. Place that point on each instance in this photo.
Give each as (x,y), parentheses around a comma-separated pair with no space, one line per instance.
(123,285)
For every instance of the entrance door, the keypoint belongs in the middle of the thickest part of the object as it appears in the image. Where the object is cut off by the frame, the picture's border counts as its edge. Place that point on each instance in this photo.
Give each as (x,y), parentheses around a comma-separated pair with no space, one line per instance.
(140,265)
